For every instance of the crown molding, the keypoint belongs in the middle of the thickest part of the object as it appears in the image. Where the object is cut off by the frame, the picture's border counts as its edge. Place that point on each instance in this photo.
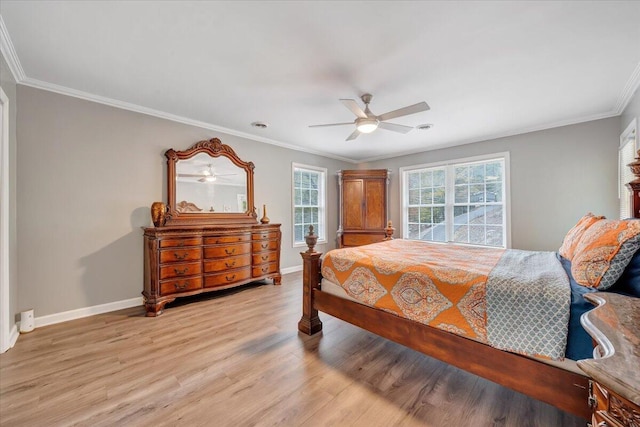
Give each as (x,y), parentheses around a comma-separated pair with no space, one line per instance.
(515,132)
(63,90)
(38,84)
(629,89)
(9,53)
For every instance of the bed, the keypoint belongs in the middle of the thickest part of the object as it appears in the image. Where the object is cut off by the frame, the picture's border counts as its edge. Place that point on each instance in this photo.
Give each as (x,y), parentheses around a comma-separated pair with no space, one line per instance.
(347,283)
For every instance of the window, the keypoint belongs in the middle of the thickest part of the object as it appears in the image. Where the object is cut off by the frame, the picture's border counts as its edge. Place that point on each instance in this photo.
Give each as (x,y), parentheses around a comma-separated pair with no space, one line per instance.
(463,201)
(309,202)
(626,155)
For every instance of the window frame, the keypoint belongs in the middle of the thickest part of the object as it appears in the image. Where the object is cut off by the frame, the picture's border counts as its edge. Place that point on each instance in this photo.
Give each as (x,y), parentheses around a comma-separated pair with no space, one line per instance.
(625,196)
(322,203)
(449,166)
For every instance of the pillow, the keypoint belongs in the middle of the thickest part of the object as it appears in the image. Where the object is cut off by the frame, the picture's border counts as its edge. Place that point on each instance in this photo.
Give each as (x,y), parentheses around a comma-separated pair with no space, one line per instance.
(604,251)
(629,282)
(568,248)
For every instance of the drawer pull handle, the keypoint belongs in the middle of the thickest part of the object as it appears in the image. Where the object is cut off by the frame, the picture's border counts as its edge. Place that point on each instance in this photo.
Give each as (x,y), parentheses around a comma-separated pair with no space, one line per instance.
(217,240)
(229,265)
(265,269)
(181,272)
(181,243)
(178,256)
(264,245)
(230,252)
(265,257)
(230,279)
(180,286)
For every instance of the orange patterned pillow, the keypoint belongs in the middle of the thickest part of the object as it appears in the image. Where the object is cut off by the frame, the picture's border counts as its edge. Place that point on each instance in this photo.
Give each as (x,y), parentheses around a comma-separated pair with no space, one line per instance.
(568,248)
(604,251)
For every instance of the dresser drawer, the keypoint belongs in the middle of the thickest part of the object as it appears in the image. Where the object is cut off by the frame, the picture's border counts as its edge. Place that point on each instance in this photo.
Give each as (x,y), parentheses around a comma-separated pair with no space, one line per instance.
(261,270)
(190,241)
(226,250)
(265,257)
(227,278)
(180,255)
(265,235)
(180,285)
(179,270)
(267,245)
(226,263)
(227,239)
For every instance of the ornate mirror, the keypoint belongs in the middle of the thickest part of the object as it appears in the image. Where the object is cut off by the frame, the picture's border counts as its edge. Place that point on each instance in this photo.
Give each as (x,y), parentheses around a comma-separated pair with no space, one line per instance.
(209,183)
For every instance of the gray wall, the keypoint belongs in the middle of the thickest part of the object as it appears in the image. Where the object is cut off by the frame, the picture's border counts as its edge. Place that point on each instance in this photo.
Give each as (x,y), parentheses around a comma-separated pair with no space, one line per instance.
(87,174)
(631,112)
(557,175)
(9,86)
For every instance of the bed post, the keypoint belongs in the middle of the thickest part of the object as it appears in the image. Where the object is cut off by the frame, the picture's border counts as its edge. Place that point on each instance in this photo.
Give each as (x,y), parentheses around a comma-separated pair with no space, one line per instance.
(388,231)
(310,322)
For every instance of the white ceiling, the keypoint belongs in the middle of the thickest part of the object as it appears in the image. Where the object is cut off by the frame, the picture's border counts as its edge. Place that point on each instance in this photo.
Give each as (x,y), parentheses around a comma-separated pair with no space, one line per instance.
(487,69)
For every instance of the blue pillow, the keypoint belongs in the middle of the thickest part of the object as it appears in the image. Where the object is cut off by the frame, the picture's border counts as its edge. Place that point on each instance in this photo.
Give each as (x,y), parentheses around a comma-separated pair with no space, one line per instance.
(629,281)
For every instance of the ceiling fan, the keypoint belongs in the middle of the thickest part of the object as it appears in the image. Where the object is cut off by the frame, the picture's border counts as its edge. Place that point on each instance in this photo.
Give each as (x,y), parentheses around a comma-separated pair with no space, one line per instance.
(207,175)
(367,122)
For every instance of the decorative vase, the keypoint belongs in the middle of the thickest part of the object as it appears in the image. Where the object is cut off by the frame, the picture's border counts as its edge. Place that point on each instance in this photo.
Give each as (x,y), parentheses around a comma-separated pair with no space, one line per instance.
(158,213)
(265,219)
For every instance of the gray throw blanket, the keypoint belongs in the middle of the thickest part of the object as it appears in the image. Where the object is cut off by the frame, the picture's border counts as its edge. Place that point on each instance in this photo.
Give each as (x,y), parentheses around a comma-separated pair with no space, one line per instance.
(528,299)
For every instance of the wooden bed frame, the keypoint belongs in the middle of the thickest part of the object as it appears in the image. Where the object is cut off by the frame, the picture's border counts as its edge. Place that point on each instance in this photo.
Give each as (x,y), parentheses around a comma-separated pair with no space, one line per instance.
(563,389)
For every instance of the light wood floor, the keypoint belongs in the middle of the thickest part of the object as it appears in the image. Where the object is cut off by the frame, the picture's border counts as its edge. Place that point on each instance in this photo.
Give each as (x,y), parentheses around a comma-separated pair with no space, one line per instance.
(237,360)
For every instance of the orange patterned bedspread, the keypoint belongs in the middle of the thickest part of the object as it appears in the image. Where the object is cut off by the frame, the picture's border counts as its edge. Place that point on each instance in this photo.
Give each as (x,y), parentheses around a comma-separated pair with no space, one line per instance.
(438,285)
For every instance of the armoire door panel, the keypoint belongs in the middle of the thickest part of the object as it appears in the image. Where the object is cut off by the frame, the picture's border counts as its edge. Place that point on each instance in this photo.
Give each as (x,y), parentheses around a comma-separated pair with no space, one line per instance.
(353,210)
(375,208)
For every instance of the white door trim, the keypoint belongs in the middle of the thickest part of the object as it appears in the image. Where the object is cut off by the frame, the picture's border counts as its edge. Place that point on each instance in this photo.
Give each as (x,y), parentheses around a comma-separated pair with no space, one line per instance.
(5,310)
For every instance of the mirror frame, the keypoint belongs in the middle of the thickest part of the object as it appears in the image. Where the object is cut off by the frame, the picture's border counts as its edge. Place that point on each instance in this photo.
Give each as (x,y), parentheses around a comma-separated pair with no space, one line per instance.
(214,148)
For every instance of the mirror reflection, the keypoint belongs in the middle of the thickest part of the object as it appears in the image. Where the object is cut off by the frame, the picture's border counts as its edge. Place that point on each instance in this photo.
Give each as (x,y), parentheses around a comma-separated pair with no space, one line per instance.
(206,184)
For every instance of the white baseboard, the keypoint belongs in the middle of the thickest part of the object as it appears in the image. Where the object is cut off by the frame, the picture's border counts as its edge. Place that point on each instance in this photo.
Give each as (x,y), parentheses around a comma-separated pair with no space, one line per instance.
(79,313)
(291,269)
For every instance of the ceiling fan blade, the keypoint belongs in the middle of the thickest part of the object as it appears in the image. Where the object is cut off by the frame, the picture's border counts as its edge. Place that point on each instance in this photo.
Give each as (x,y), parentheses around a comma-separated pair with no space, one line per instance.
(411,109)
(394,127)
(189,175)
(353,106)
(354,135)
(330,124)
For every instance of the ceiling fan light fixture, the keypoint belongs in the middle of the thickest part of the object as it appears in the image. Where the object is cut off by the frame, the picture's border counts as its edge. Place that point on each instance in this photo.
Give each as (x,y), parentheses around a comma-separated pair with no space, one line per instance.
(210,178)
(366,125)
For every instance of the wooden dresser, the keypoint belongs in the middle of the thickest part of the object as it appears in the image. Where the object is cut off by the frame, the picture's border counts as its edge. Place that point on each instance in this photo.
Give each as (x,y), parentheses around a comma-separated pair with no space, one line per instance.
(614,394)
(363,206)
(207,236)
(188,260)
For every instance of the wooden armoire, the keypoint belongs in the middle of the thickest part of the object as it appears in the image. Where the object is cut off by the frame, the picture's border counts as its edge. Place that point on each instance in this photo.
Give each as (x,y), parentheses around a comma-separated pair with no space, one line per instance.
(363,206)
